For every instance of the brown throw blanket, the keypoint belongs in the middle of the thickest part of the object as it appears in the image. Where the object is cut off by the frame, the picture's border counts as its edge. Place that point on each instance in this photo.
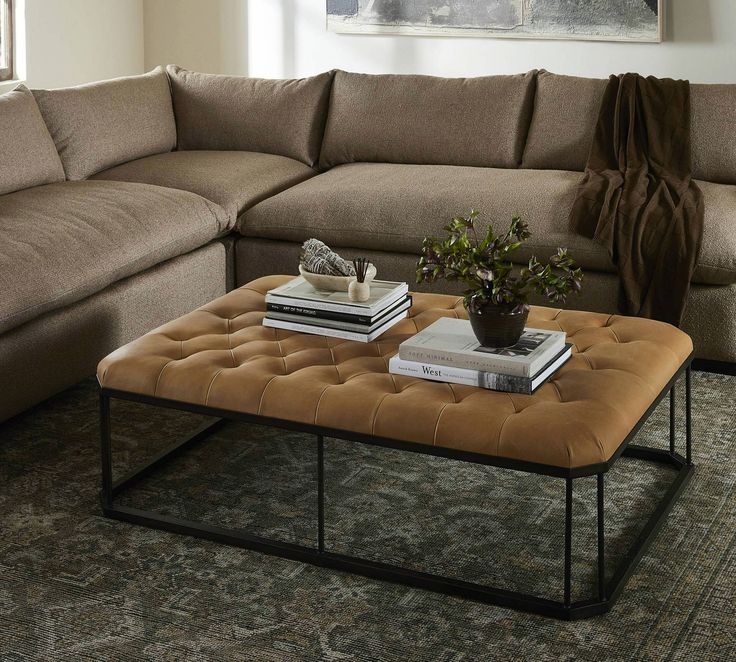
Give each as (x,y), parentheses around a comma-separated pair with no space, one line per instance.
(638,198)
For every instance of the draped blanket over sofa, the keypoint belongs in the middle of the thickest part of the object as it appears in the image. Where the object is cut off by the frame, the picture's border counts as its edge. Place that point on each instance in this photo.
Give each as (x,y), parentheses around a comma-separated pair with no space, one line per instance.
(638,197)
(126,203)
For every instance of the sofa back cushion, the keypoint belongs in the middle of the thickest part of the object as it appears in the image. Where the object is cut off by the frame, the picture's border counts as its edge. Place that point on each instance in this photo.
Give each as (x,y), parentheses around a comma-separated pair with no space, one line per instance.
(428,120)
(566,111)
(100,125)
(216,112)
(27,153)
(713,134)
(565,115)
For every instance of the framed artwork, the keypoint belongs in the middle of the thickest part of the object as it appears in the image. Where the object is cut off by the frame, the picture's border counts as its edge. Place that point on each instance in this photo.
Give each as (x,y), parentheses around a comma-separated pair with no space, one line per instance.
(604,20)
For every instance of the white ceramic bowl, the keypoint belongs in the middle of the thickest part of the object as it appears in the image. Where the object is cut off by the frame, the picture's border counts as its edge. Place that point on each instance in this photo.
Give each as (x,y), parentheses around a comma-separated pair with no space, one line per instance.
(334,283)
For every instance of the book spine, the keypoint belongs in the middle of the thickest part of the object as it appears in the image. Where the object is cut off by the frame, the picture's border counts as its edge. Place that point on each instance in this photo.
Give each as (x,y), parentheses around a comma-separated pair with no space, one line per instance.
(361,323)
(323,323)
(318,314)
(482,363)
(319,305)
(331,306)
(438,373)
(319,331)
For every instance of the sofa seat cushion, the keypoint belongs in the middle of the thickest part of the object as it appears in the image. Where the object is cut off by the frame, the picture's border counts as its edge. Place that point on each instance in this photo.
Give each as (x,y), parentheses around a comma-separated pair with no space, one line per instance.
(392,207)
(234,180)
(62,242)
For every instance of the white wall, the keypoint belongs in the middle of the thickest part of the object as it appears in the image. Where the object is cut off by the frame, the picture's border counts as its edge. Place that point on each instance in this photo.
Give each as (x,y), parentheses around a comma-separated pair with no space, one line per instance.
(288,38)
(68,42)
(203,35)
(74,41)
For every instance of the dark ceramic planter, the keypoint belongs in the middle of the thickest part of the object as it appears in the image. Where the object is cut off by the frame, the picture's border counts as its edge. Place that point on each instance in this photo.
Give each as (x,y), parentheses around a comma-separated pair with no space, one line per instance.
(498,326)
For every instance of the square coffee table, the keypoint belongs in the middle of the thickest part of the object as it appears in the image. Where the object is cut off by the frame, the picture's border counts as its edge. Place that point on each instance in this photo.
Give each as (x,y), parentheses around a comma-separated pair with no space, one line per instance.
(220,361)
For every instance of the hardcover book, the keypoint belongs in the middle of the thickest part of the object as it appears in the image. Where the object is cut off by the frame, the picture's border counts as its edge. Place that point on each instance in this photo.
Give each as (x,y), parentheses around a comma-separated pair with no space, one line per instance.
(334,333)
(451,342)
(488,380)
(339,324)
(299,292)
(319,316)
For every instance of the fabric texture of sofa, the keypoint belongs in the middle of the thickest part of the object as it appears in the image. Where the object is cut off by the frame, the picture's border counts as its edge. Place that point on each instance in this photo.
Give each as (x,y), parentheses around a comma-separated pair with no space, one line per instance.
(427,120)
(99,125)
(284,117)
(87,235)
(234,180)
(28,156)
(126,203)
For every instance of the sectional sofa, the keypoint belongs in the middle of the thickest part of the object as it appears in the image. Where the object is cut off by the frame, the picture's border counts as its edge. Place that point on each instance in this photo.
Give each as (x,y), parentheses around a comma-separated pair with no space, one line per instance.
(126,203)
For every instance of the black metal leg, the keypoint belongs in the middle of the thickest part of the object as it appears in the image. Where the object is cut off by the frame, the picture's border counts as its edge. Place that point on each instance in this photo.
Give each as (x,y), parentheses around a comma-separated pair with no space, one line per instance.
(688,417)
(568,541)
(321,493)
(106,450)
(601,542)
(608,592)
(672,419)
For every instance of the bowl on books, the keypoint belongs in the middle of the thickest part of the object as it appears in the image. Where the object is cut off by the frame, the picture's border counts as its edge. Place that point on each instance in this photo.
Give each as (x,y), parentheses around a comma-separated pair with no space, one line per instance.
(333,283)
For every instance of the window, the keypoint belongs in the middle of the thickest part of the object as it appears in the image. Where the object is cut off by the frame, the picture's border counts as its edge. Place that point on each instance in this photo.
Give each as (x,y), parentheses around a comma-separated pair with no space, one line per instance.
(6,39)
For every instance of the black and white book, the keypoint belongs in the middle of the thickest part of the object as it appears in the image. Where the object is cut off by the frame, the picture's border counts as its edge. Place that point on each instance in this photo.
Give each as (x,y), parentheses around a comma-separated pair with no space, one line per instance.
(278,310)
(451,342)
(488,380)
(299,292)
(334,333)
(345,326)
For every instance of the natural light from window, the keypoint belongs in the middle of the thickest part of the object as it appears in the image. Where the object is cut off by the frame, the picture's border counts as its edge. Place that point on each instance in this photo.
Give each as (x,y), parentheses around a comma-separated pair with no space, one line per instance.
(6,40)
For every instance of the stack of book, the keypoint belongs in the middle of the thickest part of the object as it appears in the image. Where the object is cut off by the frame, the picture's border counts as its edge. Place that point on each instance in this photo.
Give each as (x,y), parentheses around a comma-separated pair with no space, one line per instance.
(448,351)
(297,306)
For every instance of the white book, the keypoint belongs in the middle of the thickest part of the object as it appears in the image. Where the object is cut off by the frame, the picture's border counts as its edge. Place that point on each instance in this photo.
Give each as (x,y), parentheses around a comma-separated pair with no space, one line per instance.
(488,380)
(336,324)
(451,342)
(333,333)
(299,292)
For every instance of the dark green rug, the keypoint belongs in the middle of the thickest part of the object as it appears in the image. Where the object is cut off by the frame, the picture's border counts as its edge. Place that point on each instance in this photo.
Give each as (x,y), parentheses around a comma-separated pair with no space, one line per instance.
(76,586)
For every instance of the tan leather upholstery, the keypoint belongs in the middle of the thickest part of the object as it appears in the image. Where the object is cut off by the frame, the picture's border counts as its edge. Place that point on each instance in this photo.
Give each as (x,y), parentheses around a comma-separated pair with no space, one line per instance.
(221,356)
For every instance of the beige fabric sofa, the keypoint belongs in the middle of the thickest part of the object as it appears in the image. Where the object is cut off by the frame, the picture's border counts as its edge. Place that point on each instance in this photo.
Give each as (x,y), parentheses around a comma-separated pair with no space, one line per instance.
(404,154)
(126,203)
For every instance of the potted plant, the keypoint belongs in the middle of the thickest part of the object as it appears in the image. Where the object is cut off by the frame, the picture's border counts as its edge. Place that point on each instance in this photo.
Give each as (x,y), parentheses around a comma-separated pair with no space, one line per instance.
(496,297)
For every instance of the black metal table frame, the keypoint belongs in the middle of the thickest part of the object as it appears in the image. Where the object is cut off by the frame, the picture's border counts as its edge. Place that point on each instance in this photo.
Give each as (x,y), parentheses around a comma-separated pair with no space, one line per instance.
(606,592)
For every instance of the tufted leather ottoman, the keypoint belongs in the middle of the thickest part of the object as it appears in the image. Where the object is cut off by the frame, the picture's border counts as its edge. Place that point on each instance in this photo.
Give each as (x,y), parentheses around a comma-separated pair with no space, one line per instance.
(220,360)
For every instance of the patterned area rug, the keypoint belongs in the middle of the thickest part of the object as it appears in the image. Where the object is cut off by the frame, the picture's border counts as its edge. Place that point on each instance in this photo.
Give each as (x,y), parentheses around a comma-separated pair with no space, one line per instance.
(74,585)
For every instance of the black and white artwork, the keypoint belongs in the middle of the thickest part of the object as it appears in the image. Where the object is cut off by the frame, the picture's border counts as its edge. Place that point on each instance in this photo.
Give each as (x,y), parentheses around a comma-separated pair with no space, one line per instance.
(528,342)
(614,20)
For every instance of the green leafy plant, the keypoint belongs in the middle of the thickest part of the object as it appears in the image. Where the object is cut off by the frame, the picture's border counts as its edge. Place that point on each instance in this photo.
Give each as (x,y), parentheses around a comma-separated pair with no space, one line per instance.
(483,265)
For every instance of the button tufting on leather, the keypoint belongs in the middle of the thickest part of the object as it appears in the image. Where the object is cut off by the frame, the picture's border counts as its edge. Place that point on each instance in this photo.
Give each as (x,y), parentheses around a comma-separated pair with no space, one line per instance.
(226,359)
